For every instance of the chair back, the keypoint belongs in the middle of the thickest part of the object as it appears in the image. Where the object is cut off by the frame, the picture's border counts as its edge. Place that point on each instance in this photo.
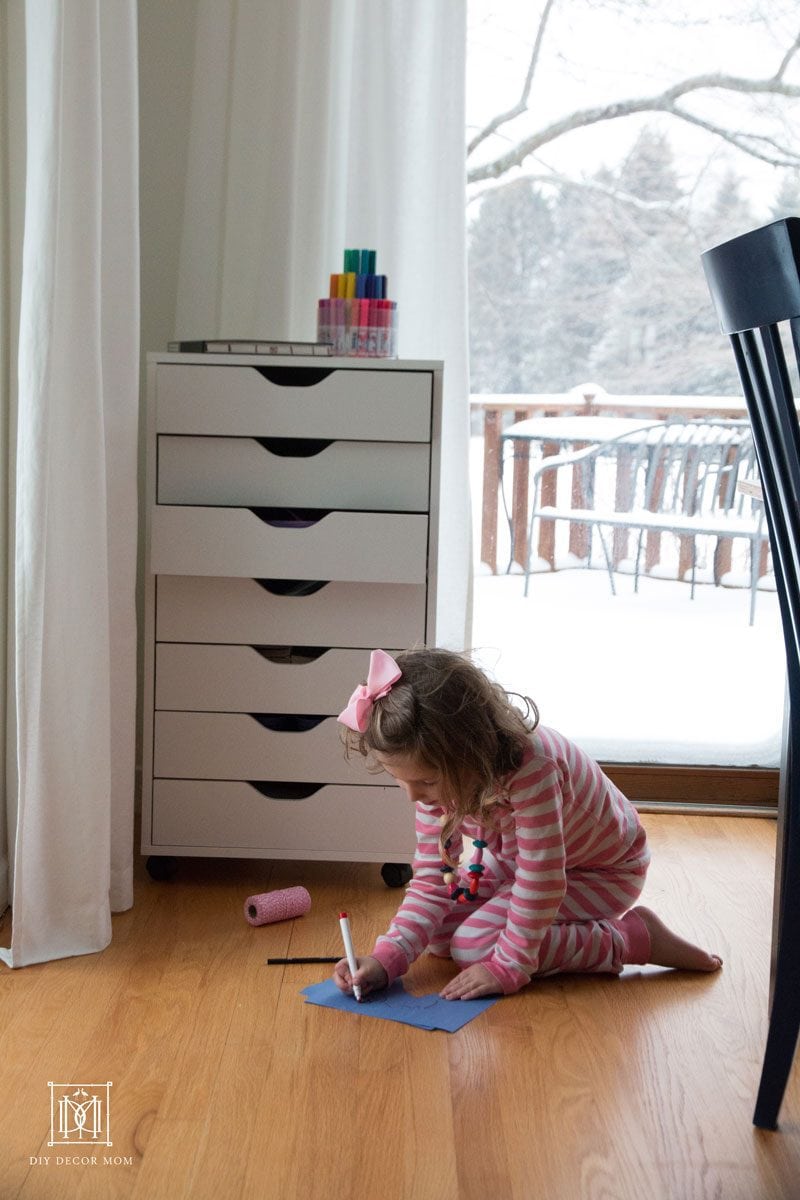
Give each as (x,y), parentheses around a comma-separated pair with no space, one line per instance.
(754,282)
(693,468)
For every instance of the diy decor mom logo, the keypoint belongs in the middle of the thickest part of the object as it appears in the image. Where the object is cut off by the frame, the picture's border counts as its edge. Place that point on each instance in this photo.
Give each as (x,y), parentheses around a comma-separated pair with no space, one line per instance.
(80,1114)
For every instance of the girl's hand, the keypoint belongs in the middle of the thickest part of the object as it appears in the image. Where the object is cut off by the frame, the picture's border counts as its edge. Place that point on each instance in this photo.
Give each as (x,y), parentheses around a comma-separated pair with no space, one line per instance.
(471,983)
(370,976)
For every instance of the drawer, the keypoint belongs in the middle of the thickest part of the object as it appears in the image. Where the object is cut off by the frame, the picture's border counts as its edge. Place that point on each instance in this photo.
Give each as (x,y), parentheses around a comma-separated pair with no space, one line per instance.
(293,471)
(369,547)
(192,745)
(332,821)
(272,401)
(210,609)
(252,679)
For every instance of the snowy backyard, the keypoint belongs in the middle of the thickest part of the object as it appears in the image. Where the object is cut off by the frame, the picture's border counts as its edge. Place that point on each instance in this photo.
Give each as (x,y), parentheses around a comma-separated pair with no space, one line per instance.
(647,677)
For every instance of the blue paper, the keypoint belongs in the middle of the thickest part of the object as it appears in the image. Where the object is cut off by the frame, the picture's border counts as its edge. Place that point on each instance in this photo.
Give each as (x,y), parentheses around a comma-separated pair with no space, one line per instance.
(396,1004)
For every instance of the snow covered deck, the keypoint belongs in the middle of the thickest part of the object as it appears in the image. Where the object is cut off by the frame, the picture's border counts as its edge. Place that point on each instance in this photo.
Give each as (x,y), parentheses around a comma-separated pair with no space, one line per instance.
(647,677)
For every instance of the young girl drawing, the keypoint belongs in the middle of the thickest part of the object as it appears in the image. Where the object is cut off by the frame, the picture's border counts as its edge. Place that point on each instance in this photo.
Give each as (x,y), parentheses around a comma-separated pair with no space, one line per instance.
(558,855)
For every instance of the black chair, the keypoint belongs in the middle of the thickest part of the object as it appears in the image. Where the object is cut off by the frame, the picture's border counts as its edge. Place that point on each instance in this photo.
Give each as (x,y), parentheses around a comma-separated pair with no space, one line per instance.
(755,284)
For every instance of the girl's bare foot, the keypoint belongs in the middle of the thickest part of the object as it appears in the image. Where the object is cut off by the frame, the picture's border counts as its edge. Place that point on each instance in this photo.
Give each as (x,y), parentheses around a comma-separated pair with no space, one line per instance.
(669,950)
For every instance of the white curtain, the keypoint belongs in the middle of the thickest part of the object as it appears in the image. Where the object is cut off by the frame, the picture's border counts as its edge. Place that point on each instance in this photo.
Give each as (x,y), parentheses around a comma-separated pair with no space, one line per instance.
(73,559)
(323,124)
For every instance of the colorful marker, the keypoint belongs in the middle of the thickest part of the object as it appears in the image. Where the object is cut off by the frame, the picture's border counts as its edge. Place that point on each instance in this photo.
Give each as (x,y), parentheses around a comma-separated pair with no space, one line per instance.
(357,317)
(344,924)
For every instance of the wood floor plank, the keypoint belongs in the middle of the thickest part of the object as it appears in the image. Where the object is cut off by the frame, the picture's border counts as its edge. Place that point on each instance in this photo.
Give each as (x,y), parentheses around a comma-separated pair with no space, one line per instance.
(57,1024)
(355,1126)
(226,1085)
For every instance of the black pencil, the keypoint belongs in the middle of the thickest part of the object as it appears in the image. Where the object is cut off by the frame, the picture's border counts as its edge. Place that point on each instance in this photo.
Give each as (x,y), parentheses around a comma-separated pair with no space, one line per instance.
(282,962)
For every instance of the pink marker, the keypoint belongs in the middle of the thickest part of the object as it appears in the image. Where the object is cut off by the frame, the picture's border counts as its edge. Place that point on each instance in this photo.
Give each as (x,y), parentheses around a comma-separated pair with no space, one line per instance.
(339,326)
(372,330)
(363,330)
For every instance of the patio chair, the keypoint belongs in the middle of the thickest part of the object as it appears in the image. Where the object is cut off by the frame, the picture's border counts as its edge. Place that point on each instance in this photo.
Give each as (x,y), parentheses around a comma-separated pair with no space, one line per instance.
(676,476)
(755,284)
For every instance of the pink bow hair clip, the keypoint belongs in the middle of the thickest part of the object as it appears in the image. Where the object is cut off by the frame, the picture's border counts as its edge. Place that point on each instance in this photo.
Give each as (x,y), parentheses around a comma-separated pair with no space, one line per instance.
(383,672)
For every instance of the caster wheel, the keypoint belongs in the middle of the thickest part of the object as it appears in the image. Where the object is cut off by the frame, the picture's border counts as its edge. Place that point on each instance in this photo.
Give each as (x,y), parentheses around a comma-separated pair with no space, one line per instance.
(161,867)
(396,875)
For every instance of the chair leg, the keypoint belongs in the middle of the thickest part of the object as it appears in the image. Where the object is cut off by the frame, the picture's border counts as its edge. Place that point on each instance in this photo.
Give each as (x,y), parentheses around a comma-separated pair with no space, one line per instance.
(636,565)
(528,552)
(784,1020)
(609,563)
(509,516)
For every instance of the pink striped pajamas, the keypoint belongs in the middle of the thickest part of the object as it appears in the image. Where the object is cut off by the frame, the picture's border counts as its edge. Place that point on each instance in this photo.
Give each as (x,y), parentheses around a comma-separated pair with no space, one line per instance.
(566,860)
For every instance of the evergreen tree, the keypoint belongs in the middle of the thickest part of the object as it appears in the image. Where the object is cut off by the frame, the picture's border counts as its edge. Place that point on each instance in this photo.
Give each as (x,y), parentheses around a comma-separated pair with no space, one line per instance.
(728,215)
(617,293)
(661,322)
(510,248)
(603,282)
(590,255)
(787,200)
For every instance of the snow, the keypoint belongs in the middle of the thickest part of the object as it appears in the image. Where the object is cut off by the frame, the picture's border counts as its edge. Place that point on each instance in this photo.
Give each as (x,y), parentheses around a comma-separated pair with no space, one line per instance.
(652,676)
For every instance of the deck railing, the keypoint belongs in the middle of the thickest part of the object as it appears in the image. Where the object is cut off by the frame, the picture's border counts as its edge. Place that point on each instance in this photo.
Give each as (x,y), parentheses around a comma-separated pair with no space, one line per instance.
(497,412)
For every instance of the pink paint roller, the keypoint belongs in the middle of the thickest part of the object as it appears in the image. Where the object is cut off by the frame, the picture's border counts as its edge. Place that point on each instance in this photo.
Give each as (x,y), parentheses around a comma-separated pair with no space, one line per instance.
(276,906)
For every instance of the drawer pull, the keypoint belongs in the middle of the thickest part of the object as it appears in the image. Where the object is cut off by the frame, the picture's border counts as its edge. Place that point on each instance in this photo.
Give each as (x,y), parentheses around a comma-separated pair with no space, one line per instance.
(276,789)
(292,587)
(294,376)
(288,722)
(291,518)
(291,655)
(294,447)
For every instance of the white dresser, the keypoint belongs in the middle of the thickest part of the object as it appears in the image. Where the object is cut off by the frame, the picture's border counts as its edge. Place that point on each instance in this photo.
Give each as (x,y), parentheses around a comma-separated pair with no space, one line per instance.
(291,528)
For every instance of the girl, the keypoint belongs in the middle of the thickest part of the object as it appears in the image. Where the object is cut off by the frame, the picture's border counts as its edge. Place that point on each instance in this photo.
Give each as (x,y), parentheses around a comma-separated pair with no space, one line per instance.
(558,854)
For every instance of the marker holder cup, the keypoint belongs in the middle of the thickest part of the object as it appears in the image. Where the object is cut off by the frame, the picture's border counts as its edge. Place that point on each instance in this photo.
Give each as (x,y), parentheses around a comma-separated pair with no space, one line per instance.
(356,333)
(358,319)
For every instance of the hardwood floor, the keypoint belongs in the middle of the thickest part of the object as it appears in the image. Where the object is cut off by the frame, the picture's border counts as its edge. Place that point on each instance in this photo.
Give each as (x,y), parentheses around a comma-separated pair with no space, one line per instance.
(226,1085)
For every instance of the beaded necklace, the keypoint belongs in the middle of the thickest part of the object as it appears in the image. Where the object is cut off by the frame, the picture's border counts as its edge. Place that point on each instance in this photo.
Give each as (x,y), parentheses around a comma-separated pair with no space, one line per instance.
(476,868)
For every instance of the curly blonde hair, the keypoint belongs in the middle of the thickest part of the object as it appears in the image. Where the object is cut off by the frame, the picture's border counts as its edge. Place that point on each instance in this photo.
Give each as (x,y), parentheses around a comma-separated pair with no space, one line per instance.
(447,713)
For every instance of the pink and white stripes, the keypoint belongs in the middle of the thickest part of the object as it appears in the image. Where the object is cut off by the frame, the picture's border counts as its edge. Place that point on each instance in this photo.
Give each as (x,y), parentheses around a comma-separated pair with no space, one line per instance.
(565,859)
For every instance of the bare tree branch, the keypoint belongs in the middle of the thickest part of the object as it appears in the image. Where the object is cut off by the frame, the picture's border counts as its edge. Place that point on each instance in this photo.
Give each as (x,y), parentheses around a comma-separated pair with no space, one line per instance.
(663,102)
(787,58)
(746,142)
(522,104)
(554,179)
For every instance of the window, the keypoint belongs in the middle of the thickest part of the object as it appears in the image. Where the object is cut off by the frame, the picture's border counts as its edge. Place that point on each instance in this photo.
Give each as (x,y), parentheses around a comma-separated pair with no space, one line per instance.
(611,141)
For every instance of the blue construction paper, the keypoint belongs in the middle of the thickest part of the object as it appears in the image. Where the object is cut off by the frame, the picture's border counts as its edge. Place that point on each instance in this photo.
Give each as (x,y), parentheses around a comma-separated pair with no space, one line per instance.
(396,1004)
